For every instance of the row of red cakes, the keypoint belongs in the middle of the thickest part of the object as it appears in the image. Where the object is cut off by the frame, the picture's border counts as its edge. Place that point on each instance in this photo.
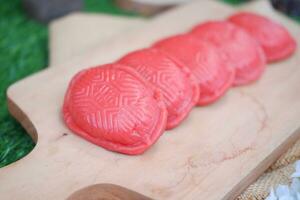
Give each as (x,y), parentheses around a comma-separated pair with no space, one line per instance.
(127,105)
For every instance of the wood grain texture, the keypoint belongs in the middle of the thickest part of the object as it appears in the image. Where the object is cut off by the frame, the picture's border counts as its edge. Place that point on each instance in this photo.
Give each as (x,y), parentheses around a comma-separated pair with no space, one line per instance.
(77,33)
(217,152)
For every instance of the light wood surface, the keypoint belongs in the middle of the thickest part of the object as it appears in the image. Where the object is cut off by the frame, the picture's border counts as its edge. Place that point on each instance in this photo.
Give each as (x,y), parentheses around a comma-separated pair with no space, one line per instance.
(217,152)
(77,33)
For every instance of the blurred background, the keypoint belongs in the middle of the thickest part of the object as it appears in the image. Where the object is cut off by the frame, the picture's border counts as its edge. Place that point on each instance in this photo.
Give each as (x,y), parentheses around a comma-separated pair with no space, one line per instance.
(24,47)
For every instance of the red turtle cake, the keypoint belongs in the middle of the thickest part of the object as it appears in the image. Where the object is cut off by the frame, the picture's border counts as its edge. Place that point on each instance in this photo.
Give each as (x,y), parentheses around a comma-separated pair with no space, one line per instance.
(114,107)
(275,40)
(179,90)
(213,77)
(126,106)
(239,50)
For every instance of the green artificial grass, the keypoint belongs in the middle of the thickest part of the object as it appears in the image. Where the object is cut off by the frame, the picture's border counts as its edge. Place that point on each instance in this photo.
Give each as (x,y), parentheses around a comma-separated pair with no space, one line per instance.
(23,47)
(105,6)
(235,2)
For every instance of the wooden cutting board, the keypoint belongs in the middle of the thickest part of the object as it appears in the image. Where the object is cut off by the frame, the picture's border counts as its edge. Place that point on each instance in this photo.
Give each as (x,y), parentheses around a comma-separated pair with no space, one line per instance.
(77,33)
(217,152)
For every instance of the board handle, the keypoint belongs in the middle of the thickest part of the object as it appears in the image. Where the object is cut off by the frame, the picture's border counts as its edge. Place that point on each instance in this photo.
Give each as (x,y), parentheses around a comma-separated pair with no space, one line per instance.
(105,192)
(21,117)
